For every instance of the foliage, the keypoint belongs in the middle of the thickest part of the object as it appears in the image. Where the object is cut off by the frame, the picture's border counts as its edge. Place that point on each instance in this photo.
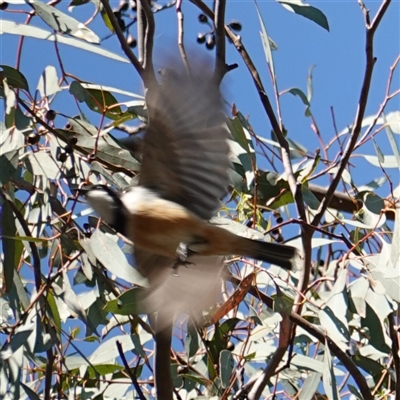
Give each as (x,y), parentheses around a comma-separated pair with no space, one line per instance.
(70,323)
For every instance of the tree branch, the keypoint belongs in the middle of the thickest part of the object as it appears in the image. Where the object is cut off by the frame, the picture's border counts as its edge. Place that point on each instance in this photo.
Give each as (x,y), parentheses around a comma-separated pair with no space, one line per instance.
(125,47)
(357,126)
(219,22)
(149,75)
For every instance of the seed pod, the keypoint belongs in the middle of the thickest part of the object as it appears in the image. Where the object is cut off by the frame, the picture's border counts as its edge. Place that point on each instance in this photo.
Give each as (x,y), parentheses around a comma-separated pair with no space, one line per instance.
(235,26)
(33,138)
(201,38)
(123,6)
(203,18)
(62,157)
(51,115)
(210,42)
(68,149)
(132,43)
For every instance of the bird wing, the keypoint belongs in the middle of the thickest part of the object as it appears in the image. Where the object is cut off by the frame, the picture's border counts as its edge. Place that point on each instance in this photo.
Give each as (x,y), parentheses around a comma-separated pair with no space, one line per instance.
(193,289)
(185,154)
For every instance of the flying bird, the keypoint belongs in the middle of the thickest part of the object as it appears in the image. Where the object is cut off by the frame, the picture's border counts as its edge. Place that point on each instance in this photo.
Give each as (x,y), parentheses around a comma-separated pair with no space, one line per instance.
(183,177)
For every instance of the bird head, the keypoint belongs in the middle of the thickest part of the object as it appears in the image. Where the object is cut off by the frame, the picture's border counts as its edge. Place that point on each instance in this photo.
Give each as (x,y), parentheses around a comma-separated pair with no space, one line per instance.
(107,204)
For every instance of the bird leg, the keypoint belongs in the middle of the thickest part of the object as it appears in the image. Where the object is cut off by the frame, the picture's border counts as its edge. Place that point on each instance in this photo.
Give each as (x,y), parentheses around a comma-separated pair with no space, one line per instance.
(182,253)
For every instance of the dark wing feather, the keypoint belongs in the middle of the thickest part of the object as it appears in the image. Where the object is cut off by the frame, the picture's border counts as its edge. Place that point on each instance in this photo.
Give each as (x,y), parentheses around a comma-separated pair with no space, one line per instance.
(185,155)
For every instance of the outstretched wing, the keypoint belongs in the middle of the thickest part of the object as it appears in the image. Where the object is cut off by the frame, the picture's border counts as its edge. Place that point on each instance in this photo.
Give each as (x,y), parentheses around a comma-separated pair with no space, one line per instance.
(185,154)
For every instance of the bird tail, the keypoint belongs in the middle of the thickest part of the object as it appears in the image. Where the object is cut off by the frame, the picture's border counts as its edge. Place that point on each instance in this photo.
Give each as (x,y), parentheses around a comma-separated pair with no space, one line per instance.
(279,254)
(220,241)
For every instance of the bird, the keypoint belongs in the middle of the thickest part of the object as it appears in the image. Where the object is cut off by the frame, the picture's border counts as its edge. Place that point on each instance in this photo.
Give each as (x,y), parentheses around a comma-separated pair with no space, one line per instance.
(183,177)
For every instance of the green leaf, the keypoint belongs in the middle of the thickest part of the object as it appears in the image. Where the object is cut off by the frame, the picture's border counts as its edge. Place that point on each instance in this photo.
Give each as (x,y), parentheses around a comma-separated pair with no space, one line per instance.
(48,82)
(381,157)
(370,215)
(307,11)
(333,316)
(107,251)
(32,395)
(226,365)
(378,308)
(389,161)
(299,93)
(9,164)
(266,43)
(100,101)
(192,340)
(393,143)
(62,22)
(310,386)
(129,303)
(54,309)
(43,164)
(14,78)
(370,366)
(358,292)
(328,376)
(13,28)
(309,197)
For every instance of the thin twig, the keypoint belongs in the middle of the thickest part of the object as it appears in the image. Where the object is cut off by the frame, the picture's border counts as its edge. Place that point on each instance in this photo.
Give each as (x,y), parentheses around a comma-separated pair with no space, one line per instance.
(129,372)
(259,385)
(337,351)
(181,44)
(141,28)
(125,47)
(356,129)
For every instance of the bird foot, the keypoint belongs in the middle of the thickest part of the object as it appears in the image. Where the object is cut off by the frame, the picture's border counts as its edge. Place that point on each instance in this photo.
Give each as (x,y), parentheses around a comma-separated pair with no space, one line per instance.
(182,254)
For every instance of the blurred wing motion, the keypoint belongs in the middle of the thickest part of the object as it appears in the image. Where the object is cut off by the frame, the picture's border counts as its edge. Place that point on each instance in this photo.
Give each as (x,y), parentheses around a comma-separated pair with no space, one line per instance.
(184,176)
(185,148)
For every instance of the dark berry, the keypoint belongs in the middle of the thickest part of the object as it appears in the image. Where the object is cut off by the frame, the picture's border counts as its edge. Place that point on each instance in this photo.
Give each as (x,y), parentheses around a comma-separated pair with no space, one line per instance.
(3,5)
(121,24)
(33,138)
(51,115)
(72,141)
(203,18)
(235,26)
(201,38)
(68,149)
(230,346)
(123,6)
(210,42)
(279,220)
(131,41)
(62,157)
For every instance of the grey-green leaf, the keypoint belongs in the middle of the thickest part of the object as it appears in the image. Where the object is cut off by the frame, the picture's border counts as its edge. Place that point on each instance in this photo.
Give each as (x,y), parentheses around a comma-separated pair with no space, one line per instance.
(307,11)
